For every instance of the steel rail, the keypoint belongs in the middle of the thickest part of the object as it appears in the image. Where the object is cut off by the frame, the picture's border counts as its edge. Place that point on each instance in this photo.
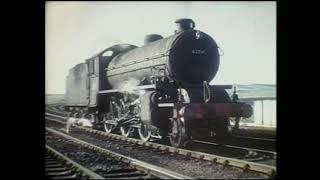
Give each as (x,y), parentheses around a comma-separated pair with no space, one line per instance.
(202,142)
(274,154)
(84,171)
(255,138)
(62,117)
(245,165)
(140,165)
(235,147)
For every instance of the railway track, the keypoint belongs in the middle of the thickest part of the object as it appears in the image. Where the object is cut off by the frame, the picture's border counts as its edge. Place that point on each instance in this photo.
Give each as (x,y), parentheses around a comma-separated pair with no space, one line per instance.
(187,164)
(58,166)
(231,150)
(107,164)
(215,159)
(254,142)
(56,109)
(250,145)
(238,152)
(258,132)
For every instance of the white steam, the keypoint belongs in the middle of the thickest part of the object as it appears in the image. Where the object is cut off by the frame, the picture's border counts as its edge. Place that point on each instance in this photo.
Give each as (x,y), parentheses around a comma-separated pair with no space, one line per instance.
(129,87)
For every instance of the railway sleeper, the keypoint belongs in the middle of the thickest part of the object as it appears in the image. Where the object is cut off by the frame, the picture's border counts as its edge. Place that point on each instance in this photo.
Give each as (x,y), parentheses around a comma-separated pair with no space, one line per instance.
(134,177)
(142,148)
(60,173)
(56,169)
(65,177)
(54,165)
(52,162)
(126,172)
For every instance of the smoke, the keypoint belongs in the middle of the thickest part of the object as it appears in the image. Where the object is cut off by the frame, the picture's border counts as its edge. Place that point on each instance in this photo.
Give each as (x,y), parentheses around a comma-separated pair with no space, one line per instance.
(129,87)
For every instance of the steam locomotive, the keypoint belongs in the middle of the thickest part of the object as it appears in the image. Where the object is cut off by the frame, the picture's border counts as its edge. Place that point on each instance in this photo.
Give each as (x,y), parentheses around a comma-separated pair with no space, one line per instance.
(159,90)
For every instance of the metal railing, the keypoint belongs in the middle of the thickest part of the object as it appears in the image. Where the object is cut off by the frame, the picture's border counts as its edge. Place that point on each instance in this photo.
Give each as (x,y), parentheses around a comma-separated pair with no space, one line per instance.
(261,114)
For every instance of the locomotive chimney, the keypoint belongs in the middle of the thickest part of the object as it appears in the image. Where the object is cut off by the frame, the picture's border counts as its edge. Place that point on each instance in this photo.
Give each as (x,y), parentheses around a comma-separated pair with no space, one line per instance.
(184,24)
(151,38)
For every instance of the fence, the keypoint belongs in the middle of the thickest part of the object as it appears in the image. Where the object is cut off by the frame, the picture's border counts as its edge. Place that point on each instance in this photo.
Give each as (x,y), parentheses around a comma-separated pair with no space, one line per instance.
(264,112)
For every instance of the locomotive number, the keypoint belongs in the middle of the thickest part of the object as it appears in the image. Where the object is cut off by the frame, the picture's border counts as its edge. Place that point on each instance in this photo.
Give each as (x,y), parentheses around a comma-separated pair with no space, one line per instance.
(198,51)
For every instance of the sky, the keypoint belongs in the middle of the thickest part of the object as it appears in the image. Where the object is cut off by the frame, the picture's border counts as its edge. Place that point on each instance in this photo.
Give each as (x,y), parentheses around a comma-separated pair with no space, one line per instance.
(245,32)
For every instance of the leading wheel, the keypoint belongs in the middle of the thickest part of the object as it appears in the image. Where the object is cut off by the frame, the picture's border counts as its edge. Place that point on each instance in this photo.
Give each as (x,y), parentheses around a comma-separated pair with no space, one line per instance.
(108,127)
(177,135)
(126,131)
(144,132)
(109,123)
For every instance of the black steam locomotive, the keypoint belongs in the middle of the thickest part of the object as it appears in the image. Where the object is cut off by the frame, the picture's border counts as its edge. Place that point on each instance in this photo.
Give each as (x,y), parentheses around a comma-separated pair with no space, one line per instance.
(158,90)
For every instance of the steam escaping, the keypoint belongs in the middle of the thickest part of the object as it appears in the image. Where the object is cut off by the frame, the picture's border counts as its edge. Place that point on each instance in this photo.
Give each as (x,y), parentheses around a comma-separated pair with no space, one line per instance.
(131,99)
(131,94)
(77,121)
(128,86)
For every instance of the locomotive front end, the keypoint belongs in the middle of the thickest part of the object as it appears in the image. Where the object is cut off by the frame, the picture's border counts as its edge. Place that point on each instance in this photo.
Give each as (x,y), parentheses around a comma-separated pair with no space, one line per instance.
(194,55)
(194,61)
(212,115)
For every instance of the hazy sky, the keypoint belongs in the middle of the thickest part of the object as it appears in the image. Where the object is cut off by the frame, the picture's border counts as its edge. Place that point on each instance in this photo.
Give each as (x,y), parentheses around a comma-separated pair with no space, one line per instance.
(245,31)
